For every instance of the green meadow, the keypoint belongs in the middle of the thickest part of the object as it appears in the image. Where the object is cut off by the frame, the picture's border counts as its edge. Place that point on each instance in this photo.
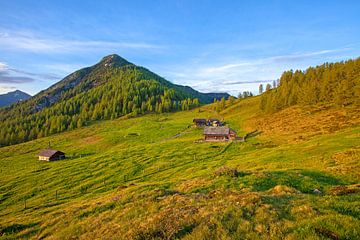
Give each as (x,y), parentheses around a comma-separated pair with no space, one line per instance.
(148,178)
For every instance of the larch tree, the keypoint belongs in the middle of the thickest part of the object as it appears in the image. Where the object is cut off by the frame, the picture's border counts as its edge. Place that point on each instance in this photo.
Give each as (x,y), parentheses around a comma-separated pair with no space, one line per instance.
(261,89)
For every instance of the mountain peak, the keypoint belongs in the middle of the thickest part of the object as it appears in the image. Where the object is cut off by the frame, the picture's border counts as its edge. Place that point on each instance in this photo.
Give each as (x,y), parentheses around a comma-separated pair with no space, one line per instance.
(114,60)
(17,92)
(13,97)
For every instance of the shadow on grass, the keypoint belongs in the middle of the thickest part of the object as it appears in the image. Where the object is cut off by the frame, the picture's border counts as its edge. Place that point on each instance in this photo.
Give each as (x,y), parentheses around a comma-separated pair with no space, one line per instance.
(75,156)
(282,204)
(40,170)
(4,196)
(16,228)
(184,231)
(252,134)
(229,171)
(347,205)
(305,181)
(97,210)
(353,212)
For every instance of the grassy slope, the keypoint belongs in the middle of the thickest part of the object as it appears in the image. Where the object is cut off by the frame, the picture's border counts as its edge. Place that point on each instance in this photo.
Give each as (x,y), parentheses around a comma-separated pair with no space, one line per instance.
(136,180)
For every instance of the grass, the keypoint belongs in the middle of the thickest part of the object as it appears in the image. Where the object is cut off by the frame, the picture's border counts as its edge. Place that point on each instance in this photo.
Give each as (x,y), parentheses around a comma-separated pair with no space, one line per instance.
(146,178)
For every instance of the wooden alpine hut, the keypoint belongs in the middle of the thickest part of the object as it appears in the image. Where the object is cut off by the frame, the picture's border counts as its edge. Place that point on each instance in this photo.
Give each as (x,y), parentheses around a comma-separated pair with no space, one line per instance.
(51,155)
(219,134)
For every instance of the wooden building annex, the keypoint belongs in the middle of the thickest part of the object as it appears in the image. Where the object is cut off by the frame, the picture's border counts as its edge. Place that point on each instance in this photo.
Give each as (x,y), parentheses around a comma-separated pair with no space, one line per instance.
(199,122)
(219,134)
(51,155)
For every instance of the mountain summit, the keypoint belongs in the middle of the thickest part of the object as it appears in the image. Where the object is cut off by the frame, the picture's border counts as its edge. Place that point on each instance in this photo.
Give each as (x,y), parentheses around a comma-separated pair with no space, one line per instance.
(13,97)
(114,60)
(109,89)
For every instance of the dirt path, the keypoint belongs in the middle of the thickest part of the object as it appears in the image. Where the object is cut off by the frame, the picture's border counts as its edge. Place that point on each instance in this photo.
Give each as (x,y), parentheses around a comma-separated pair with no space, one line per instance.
(177,135)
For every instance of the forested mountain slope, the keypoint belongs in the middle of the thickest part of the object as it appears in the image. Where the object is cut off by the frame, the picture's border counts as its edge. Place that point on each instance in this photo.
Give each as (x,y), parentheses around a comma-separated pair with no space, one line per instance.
(114,87)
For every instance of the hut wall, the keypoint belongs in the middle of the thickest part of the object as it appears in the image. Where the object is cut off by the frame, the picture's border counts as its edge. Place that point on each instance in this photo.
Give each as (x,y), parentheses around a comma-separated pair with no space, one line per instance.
(215,138)
(44,158)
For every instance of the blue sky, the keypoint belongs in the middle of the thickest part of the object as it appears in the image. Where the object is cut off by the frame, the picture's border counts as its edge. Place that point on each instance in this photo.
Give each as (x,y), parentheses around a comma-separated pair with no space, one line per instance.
(210,45)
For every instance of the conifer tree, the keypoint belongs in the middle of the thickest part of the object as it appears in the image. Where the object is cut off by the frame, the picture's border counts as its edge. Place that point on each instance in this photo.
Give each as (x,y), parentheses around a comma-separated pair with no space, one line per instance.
(268,87)
(231,100)
(222,103)
(261,89)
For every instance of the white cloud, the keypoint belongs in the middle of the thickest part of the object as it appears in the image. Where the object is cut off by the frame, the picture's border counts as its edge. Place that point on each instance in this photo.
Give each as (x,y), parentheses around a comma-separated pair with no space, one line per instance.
(3,66)
(268,60)
(9,75)
(6,89)
(30,42)
(245,74)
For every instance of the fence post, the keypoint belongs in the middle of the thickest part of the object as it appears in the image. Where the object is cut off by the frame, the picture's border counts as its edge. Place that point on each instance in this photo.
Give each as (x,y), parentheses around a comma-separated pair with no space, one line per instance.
(24,203)
(56,195)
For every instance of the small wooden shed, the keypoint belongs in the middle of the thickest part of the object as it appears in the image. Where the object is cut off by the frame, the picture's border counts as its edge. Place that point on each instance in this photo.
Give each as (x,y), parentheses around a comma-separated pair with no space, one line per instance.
(199,122)
(51,155)
(219,134)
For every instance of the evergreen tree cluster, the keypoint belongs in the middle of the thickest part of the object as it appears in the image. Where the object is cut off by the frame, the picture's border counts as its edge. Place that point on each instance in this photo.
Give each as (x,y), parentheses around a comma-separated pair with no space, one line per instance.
(245,94)
(115,92)
(221,104)
(335,83)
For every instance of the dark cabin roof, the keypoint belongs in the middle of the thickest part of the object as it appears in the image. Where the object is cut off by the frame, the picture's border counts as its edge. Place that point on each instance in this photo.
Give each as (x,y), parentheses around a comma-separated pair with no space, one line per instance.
(218,131)
(50,153)
(199,120)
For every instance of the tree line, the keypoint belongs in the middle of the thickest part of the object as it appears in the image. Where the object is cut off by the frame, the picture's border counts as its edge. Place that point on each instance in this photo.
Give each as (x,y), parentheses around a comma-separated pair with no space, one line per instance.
(334,83)
(124,93)
(220,105)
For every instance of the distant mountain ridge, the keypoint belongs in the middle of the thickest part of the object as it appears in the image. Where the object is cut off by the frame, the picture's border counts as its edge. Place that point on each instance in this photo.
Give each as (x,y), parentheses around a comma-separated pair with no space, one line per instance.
(109,89)
(13,97)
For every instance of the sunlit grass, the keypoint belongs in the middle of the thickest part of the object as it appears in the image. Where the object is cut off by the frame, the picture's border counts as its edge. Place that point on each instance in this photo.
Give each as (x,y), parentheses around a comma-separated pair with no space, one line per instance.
(146,177)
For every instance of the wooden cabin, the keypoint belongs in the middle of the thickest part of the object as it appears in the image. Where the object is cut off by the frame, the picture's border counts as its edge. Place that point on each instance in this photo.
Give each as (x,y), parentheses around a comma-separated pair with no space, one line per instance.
(51,155)
(212,134)
(199,122)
